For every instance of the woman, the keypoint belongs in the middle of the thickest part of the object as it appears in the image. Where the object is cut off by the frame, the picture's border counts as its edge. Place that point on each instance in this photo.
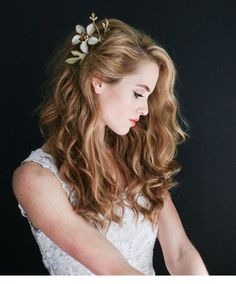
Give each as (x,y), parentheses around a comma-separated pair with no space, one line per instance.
(97,193)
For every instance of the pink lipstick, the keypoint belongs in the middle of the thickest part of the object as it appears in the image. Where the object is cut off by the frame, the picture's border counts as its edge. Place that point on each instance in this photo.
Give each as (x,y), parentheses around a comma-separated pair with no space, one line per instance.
(133,122)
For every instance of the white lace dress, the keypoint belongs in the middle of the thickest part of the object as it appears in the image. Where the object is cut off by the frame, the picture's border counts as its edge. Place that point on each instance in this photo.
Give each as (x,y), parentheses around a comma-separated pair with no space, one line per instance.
(135,241)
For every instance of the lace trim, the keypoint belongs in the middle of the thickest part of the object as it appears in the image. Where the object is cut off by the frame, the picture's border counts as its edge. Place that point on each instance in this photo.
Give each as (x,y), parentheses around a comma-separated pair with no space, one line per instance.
(135,240)
(46,161)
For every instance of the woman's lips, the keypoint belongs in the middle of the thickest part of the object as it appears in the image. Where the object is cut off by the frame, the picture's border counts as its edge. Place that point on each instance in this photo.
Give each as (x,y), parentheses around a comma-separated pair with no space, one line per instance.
(133,122)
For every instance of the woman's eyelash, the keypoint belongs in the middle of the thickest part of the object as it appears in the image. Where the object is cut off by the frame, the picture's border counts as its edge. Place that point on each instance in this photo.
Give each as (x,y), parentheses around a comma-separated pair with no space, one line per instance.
(137,95)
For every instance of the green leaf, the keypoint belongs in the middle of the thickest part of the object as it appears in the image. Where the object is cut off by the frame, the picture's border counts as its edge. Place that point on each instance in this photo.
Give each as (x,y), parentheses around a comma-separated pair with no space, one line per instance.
(82,56)
(107,22)
(76,53)
(72,60)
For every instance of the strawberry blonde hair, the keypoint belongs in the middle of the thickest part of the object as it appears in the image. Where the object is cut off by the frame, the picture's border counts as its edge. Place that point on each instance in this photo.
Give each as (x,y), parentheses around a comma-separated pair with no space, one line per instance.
(70,121)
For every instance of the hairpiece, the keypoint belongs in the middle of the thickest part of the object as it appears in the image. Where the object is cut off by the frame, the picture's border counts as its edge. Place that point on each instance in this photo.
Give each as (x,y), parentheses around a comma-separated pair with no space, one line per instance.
(86,38)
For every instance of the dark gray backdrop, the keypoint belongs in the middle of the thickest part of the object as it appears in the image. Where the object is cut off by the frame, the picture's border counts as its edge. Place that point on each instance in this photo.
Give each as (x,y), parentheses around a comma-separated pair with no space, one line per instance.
(200,36)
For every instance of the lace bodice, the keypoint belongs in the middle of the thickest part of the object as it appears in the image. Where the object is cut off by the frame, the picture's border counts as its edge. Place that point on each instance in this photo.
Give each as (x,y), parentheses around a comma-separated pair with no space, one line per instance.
(134,240)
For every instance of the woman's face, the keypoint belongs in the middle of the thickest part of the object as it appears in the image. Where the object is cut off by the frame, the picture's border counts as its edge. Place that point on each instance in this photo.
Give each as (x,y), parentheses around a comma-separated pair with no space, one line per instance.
(119,103)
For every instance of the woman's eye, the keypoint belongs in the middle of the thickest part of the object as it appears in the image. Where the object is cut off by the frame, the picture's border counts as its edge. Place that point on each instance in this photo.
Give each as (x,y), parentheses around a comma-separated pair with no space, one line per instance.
(137,95)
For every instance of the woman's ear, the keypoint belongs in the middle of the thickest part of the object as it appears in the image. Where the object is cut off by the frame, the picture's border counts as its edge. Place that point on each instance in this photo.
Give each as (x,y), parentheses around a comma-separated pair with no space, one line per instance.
(97,85)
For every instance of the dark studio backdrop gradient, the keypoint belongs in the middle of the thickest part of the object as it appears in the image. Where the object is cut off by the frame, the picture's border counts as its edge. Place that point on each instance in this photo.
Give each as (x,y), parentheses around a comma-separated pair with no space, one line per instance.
(200,36)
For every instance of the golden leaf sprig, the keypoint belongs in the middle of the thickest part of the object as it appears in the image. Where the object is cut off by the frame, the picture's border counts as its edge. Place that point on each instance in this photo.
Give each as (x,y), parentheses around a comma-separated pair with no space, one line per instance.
(85,38)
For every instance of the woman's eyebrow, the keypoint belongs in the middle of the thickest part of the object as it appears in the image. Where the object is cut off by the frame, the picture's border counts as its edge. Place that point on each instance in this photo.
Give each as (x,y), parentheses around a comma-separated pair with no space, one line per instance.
(144,86)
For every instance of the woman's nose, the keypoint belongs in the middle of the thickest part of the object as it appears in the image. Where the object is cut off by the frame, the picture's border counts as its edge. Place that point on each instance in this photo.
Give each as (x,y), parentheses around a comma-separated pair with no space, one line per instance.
(143,110)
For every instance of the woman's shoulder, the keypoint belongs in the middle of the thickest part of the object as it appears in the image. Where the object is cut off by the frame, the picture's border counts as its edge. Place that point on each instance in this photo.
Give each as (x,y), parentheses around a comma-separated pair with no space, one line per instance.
(31,170)
(36,190)
(31,173)
(37,161)
(38,167)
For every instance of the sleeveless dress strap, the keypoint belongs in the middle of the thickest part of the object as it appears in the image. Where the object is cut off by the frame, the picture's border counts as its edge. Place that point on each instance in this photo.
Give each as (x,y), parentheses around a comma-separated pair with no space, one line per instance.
(48,162)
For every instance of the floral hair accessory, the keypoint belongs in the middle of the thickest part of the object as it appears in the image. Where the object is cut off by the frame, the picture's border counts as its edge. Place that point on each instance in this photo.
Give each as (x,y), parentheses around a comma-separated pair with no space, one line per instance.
(86,38)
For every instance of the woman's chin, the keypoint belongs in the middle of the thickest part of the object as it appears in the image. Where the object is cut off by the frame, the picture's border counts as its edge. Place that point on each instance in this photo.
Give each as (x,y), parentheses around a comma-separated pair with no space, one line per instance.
(120,132)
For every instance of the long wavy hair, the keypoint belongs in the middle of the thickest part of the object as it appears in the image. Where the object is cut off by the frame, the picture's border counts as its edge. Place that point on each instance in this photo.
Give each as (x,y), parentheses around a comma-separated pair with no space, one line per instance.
(70,123)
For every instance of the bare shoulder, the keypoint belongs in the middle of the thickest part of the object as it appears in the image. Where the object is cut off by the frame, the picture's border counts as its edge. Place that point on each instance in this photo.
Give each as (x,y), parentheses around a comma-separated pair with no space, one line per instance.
(31,171)
(41,195)
(37,189)
(30,176)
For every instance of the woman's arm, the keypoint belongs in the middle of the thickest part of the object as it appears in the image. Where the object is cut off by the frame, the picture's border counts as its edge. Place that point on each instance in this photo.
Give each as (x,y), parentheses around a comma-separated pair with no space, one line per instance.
(180,255)
(41,195)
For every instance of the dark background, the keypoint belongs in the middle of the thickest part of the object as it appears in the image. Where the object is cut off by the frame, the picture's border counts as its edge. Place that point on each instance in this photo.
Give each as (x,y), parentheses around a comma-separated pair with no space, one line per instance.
(200,36)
